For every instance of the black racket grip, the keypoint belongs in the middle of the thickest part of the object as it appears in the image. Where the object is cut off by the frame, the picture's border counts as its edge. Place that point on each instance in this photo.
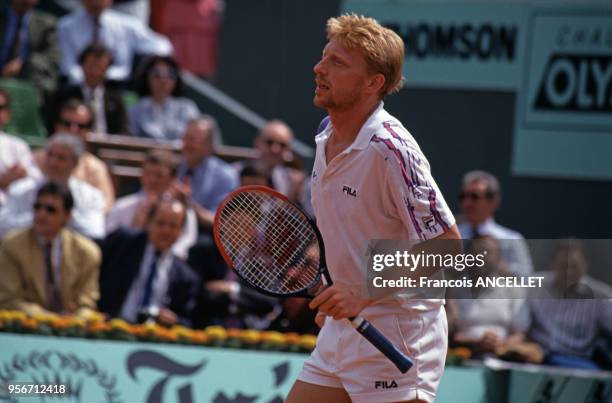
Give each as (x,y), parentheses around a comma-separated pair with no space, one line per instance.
(383,344)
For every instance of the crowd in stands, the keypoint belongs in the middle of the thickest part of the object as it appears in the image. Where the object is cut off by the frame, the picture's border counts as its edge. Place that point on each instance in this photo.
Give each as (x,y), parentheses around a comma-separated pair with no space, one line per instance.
(68,245)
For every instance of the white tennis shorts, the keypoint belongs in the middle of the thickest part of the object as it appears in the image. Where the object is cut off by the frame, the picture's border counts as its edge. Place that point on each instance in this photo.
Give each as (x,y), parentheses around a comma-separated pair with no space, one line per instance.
(344,359)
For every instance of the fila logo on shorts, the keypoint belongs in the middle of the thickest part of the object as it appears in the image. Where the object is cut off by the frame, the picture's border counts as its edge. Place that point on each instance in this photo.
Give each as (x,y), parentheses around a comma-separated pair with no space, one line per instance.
(385,384)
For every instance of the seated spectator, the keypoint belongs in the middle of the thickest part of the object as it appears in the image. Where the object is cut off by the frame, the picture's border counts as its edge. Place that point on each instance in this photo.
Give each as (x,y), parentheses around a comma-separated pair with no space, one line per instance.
(62,155)
(577,309)
(480,197)
(109,112)
(16,160)
(47,267)
(204,181)
(29,48)
(141,278)
(122,34)
(162,113)
(229,301)
(491,320)
(132,211)
(76,118)
(274,145)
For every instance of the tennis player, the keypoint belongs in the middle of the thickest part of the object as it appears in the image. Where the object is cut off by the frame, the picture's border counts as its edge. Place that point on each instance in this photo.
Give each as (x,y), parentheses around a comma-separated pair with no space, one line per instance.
(370,181)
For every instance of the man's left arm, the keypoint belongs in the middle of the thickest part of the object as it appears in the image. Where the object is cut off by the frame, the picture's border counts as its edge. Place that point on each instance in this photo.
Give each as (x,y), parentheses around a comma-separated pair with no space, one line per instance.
(88,287)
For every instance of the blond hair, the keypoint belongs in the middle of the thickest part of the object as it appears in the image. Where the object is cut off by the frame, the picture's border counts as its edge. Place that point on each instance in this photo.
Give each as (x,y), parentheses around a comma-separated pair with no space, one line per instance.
(382,48)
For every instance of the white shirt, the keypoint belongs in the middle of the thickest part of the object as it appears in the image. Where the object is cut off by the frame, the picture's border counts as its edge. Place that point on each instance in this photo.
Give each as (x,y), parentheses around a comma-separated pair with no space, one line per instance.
(133,301)
(122,34)
(511,243)
(378,188)
(13,151)
(95,98)
(122,215)
(87,213)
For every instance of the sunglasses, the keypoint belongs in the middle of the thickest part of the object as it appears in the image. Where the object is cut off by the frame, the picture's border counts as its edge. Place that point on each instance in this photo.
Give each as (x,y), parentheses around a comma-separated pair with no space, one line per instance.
(68,123)
(271,142)
(47,207)
(163,74)
(475,196)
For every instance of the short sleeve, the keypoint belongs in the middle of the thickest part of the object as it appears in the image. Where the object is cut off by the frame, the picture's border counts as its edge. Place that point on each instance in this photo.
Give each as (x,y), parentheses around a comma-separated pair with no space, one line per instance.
(412,193)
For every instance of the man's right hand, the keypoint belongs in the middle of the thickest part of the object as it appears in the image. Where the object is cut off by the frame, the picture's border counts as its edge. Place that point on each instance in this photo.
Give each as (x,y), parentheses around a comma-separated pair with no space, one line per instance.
(12,174)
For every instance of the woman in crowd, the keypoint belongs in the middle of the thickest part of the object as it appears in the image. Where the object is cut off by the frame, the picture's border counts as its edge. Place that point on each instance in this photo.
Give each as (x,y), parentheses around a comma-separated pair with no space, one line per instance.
(162,112)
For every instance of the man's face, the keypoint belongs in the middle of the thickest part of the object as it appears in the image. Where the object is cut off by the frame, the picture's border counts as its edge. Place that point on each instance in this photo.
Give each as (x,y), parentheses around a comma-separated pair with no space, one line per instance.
(274,143)
(94,69)
(166,225)
(155,178)
(95,7)
(5,111)
(341,76)
(569,265)
(76,121)
(196,143)
(59,163)
(477,204)
(50,216)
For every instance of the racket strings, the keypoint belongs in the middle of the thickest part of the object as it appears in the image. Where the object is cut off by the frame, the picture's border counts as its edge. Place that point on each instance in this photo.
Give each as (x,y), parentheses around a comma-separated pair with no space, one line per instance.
(270,243)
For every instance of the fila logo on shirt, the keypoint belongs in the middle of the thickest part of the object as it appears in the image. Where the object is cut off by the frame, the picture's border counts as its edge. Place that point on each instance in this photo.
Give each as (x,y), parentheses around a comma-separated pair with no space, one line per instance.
(349,190)
(385,384)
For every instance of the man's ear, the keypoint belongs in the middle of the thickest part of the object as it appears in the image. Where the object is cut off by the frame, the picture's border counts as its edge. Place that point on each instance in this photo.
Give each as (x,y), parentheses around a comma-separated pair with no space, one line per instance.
(375,83)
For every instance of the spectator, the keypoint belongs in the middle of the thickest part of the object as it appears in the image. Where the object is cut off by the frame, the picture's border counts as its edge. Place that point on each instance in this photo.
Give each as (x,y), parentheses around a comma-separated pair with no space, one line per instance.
(62,155)
(204,180)
(274,145)
(76,118)
(230,302)
(480,197)
(47,267)
(29,48)
(490,320)
(132,211)
(16,160)
(109,111)
(162,113)
(140,276)
(122,34)
(577,309)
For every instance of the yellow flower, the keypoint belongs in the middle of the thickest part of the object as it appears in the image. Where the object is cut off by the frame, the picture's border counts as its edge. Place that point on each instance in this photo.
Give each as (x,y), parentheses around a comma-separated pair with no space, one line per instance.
(292,338)
(250,336)
(272,337)
(308,341)
(119,324)
(216,332)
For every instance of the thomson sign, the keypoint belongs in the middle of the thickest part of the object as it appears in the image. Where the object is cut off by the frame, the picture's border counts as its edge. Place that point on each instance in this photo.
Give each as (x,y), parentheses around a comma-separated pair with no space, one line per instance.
(465,41)
(454,45)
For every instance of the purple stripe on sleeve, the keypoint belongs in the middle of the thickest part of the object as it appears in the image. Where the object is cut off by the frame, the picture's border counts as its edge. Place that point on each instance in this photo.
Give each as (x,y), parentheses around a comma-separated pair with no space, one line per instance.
(434,209)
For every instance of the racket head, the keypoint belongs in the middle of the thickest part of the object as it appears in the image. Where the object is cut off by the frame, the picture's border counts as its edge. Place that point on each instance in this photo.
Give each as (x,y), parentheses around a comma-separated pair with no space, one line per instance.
(270,242)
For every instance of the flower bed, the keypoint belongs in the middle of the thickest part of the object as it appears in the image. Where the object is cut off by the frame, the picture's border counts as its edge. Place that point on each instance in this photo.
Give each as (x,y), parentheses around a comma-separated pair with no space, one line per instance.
(95,327)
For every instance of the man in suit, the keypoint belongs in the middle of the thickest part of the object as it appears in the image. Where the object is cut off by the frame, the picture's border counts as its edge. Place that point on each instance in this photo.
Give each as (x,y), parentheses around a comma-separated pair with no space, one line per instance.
(47,267)
(28,45)
(106,103)
(140,276)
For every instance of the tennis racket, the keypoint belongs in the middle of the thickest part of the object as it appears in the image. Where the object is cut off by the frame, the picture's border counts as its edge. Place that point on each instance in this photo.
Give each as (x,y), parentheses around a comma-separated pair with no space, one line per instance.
(274,247)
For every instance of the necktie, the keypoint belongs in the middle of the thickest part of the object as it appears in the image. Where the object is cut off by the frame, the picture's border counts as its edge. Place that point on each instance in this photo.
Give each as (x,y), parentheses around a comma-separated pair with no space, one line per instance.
(146,298)
(95,39)
(53,296)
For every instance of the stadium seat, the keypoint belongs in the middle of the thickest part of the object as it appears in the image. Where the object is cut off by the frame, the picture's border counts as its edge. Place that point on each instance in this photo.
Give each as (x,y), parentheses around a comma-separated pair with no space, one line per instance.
(25,119)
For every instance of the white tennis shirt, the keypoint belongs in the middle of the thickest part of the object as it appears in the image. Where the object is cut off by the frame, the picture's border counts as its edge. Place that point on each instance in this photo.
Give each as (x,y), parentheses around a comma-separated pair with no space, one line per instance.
(378,188)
